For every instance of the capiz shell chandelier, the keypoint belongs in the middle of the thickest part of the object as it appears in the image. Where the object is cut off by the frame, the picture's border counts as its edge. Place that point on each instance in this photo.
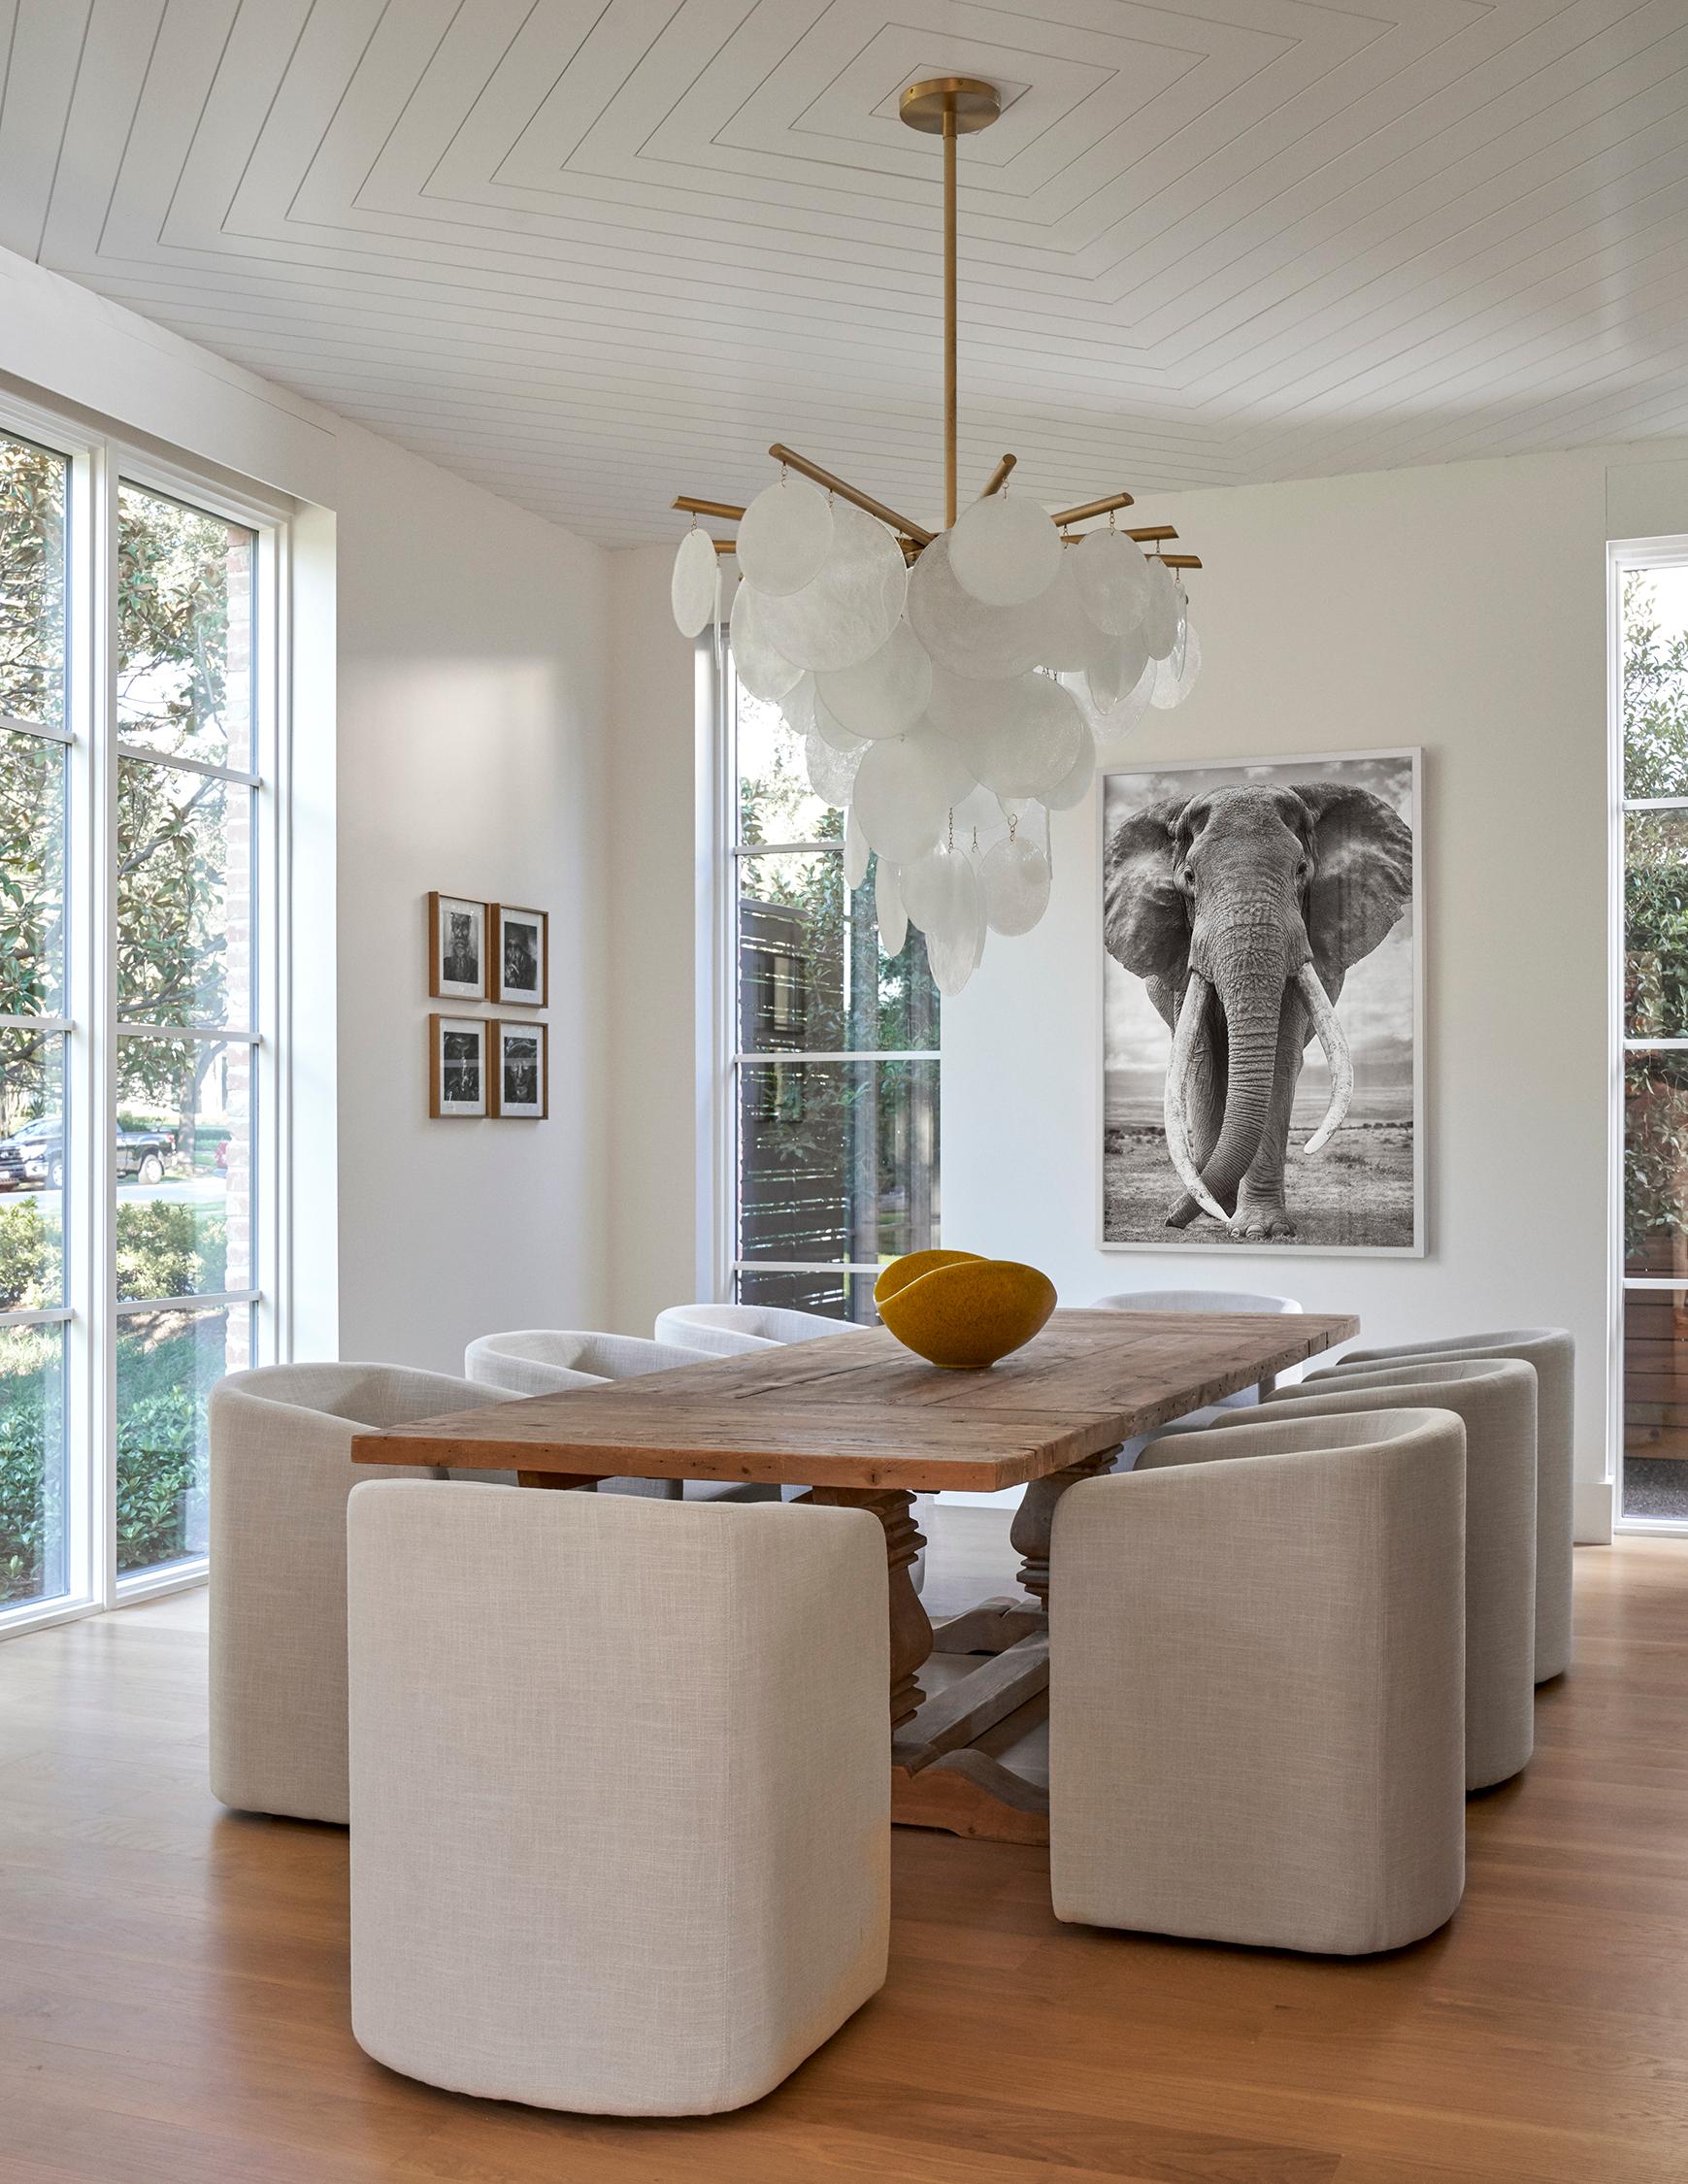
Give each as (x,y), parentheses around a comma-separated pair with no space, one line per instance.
(952,688)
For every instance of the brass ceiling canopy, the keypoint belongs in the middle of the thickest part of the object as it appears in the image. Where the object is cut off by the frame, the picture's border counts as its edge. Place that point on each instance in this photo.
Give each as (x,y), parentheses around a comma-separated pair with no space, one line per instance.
(950,106)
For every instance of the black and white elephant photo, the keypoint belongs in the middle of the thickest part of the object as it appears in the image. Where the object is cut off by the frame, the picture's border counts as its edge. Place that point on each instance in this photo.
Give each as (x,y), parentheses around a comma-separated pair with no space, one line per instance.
(1260,1004)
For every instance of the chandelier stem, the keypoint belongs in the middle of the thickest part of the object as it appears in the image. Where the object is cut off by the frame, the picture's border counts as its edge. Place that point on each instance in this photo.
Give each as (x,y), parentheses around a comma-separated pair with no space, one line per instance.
(949,336)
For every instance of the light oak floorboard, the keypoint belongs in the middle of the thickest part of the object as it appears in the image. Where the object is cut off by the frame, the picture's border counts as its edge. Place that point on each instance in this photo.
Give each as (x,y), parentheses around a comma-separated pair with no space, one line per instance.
(173,1977)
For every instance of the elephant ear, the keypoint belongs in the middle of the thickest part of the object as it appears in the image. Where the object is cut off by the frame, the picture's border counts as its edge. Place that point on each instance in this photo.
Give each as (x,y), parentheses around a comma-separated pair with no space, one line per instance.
(1362,872)
(1145,922)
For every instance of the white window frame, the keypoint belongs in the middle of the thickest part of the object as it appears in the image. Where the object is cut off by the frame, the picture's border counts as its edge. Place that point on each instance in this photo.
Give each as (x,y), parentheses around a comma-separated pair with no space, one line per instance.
(1624,556)
(99,460)
(721,686)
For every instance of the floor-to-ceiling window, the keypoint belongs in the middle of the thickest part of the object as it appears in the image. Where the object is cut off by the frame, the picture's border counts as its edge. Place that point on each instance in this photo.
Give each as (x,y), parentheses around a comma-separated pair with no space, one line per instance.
(1652,666)
(140,977)
(834,1106)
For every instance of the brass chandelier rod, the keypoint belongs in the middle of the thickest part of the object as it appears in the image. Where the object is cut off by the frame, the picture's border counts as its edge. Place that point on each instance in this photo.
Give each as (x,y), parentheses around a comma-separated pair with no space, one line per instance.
(947,107)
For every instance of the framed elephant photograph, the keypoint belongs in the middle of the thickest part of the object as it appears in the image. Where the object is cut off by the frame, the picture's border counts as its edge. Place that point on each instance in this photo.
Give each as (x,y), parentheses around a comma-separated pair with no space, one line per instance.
(1262,1006)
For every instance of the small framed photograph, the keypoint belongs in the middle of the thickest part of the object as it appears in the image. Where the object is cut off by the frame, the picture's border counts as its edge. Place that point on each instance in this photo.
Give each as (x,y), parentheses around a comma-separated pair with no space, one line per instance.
(457,949)
(521,1071)
(457,1066)
(520,956)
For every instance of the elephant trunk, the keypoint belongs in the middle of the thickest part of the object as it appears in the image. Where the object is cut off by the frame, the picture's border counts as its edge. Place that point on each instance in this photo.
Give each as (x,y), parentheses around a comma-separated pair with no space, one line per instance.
(1251,975)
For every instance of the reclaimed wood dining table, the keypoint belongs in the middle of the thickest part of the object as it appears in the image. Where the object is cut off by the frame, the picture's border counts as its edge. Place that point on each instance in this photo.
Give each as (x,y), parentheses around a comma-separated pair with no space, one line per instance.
(861,1422)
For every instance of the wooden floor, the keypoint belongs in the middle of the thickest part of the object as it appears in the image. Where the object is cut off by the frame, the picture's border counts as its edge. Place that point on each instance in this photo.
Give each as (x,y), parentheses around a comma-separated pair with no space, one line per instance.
(173,1978)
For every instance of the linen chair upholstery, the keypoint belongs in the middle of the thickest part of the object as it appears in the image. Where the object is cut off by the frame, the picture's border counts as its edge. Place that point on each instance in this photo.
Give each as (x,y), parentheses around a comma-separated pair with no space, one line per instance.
(735,1330)
(546,1360)
(1496,1400)
(1552,1351)
(280,1470)
(620,1792)
(1256,1685)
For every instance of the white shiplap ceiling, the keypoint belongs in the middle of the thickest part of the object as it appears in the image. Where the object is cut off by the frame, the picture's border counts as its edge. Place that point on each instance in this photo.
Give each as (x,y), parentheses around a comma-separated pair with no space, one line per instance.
(593,252)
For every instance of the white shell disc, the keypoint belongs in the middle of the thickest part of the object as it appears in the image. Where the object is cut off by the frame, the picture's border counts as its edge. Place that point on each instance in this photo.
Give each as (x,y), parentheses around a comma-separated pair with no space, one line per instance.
(1075,786)
(885,694)
(797,706)
(784,535)
(1114,582)
(847,611)
(1160,622)
(951,911)
(1113,679)
(692,586)
(1068,639)
(1192,663)
(855,852)
(831,730)
(1014,880)
(904,789)
(763,669)
(978,642)
(893,918)
(1004,551)
(832,773)
(1018,737)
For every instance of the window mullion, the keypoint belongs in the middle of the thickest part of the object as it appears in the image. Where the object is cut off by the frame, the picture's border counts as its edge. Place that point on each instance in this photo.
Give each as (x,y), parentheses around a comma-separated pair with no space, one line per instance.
(98,1133)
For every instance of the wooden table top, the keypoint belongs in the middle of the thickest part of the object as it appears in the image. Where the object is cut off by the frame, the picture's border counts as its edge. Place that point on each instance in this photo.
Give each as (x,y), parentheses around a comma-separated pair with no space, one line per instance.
(858,1409)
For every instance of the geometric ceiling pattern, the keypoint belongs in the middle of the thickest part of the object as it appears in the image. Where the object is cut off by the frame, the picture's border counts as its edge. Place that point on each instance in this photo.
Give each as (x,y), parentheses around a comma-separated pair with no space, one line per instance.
(594,252)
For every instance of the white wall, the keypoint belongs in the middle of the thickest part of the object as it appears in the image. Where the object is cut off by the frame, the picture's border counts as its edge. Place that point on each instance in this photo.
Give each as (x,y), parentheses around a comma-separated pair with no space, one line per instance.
(1461,608)
(660,885)
(463,750)
(472,732)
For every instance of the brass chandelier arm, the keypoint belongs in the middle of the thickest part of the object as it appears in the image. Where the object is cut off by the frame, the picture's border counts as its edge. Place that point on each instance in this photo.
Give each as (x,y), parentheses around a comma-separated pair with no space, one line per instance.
(999,476)
(1091,508)
(722,508)
(1182,560)
(864,501)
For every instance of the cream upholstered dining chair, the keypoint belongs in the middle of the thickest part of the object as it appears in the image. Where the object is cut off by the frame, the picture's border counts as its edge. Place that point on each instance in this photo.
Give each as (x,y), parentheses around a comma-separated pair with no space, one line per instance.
(1264,1741)
(280,1470)
(620,1792)
(1552,1352)
(1242,1301)
(1495,1398)
(735,1330)
(548,1360)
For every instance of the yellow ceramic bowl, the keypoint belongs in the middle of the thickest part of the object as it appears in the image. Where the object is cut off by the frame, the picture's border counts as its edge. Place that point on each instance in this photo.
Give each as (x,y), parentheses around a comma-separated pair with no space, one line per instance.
(960,1310)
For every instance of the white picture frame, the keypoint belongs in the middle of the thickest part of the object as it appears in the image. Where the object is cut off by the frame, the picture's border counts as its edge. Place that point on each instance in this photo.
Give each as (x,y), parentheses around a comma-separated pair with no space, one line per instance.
(1379,1210)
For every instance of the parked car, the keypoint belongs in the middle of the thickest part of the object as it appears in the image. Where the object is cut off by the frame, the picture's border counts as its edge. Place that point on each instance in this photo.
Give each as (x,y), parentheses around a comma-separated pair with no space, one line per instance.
(32,1158)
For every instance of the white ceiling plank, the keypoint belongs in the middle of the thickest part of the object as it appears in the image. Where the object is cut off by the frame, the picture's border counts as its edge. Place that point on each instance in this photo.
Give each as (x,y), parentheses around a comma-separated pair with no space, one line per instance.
(593,252)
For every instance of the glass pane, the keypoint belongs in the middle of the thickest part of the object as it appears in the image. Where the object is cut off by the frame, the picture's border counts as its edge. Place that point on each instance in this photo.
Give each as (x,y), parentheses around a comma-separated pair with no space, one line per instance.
(183,896)
(1656,924)
(775,803)
(1656,1163)
(32,1463)
(845,1296)
(184,630)
(1656,1403)
(31,1171)
(32,651)
(810,970)
(166,1364)
(31,875)
(837,1160)
(184,1167)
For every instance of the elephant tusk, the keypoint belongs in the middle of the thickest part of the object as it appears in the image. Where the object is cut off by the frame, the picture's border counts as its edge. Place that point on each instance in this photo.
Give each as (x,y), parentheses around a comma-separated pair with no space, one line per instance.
(1335,1048)
(1184,1039)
